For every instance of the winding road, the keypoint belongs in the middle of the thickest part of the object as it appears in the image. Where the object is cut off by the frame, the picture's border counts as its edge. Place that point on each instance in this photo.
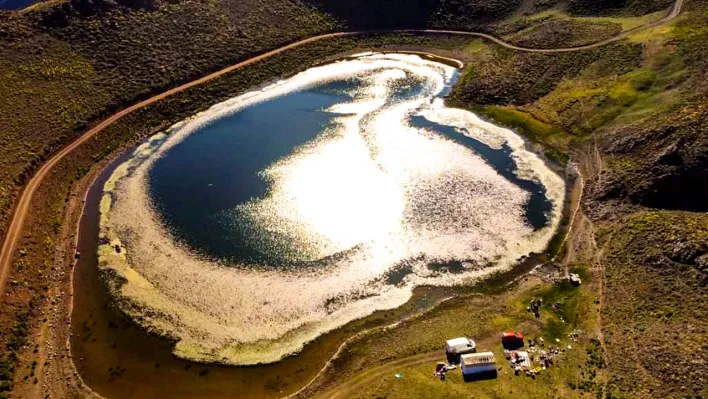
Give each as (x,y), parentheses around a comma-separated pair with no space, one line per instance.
(673,12)
(15,228)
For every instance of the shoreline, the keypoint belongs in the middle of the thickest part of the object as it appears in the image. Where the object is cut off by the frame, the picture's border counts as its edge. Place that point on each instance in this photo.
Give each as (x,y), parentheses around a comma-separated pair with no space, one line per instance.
(346,334)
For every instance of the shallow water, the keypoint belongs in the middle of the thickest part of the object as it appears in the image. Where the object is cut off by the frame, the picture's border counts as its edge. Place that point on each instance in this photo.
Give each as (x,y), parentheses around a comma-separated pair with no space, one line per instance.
(277,216)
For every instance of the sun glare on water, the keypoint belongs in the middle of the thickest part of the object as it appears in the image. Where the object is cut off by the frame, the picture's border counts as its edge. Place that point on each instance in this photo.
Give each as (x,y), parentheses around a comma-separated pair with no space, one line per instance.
(369,193)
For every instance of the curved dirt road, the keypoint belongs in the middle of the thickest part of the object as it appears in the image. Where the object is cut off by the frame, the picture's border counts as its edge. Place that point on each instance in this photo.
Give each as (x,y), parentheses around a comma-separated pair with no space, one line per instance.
(367,377)
(14,230)
(673,12)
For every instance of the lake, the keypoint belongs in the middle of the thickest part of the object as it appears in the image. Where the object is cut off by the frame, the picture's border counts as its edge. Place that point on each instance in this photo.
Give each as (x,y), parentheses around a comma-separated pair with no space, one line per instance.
(252,228)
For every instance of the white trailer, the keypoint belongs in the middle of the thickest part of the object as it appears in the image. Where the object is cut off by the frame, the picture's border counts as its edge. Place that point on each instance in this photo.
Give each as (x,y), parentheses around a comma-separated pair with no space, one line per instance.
(478,364)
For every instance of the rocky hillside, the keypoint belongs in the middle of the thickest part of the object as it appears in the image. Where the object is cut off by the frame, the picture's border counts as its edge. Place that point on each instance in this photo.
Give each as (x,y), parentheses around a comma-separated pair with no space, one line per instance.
(663,162)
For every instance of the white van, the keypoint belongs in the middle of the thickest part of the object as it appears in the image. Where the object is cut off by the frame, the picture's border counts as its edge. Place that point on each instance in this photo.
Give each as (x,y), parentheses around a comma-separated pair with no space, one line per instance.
(459,346)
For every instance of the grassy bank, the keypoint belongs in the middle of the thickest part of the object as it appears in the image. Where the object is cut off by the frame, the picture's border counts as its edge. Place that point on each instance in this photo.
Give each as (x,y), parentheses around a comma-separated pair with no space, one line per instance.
(380,357)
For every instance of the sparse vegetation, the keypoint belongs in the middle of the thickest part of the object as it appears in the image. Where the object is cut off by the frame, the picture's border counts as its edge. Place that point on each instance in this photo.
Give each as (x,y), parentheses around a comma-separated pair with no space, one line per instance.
(564,33)
(17,339)
(656,285)
(627,7)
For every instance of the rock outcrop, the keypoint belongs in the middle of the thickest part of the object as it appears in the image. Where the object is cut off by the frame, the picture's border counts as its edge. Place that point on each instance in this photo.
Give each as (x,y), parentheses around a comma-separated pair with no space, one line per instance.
(662,164)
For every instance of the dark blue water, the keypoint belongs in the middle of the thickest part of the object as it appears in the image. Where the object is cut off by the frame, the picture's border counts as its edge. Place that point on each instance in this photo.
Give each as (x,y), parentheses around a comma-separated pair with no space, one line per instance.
(217,168)
(16,4)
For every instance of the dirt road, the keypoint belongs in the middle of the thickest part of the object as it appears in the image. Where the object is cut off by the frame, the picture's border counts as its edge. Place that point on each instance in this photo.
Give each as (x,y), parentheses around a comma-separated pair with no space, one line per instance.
(673,12)
(367,377)
(14,230)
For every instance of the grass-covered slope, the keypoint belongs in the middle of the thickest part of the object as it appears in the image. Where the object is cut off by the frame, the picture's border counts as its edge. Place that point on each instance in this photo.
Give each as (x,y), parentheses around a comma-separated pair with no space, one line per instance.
(636,117)
(67,65)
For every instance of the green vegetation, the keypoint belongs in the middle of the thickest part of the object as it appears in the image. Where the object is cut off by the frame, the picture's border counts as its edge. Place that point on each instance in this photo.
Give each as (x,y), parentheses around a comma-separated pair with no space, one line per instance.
(532,128)
(564,33)
(18,338)
(560,301)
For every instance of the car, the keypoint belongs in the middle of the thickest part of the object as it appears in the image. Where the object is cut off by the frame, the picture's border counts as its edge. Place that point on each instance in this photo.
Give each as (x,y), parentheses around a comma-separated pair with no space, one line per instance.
(512,339)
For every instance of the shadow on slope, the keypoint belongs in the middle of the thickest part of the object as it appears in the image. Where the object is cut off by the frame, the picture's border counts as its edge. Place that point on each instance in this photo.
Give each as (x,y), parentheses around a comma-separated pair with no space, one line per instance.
(367,14)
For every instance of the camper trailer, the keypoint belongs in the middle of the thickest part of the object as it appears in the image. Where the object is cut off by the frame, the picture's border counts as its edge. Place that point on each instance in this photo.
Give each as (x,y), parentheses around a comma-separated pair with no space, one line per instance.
(478,365)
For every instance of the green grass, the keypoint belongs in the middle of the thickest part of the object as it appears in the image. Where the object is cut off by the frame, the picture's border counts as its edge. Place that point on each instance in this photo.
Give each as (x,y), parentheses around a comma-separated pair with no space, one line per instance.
(476,47)
(632,86)
(532,128)
(485,317)
(560,303)
(524,123)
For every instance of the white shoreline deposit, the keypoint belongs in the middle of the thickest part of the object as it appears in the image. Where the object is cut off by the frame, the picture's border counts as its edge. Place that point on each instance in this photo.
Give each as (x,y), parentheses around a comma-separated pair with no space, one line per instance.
(372,182)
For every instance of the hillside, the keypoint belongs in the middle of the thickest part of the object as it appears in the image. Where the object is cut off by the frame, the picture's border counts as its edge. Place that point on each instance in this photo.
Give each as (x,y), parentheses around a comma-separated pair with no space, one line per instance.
(66,66)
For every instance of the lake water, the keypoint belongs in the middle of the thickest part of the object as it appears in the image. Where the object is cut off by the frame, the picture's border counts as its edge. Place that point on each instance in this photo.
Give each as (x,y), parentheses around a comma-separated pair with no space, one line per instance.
(16,4)
(276,216)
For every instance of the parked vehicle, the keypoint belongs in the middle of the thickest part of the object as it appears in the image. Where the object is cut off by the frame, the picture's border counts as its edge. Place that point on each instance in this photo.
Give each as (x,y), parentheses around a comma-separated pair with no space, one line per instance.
(512,340)
(456,347)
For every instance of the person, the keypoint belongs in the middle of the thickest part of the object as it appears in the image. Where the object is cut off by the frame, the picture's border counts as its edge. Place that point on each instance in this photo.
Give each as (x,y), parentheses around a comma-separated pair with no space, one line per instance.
(536,307)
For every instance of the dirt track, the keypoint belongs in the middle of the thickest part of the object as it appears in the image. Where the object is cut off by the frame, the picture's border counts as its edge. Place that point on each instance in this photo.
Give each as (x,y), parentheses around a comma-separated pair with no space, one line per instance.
(16,225)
